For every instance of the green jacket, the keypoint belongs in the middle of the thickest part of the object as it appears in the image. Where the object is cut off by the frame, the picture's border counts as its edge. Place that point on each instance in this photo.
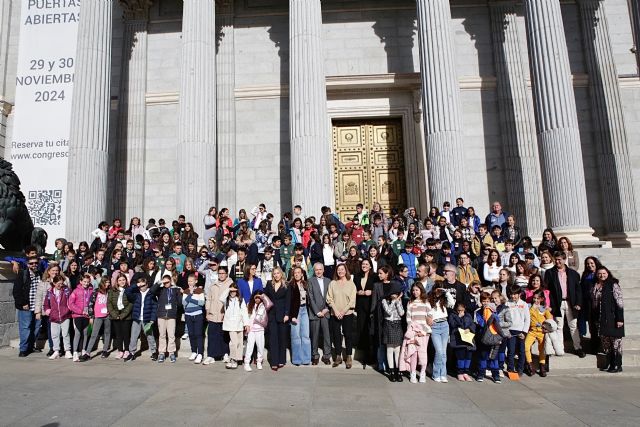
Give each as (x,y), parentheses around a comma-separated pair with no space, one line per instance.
(112,306)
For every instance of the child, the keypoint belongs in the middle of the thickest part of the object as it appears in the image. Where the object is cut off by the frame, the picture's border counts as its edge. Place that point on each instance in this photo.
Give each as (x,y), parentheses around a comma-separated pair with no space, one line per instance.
(119,308)
(235,320)
(56,307)
(99,317)
(257,310)
(417,311)
(504,317)
(145,305)
(392,335)
(193,302)
(461,320)
(520,325)
(168,301)
(485,317)
(538,314)
(286,252)
(79,306)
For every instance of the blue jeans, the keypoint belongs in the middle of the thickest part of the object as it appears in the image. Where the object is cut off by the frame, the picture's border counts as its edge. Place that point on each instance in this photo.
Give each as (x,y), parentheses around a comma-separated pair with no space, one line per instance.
(28,329)
(382,357)
(514,342)
(440,338)
(484,362)
(300,342)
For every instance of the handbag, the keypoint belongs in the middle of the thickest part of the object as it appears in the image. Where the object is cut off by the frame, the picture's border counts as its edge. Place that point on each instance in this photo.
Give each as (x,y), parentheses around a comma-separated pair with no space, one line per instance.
(490,339)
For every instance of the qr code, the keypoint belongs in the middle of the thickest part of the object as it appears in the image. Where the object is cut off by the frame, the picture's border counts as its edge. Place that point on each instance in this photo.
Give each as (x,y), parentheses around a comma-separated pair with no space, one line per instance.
(45,206)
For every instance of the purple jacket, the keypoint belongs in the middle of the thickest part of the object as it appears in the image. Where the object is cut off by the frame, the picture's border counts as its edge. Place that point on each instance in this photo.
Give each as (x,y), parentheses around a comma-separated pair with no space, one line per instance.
(59,309)
(79,301)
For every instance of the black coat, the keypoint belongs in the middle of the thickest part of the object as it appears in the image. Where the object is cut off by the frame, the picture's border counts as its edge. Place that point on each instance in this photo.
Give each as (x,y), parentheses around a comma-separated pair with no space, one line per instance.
(363,302)
(610,313)
(21,287)
(464,322)
(574,293)
(281,302)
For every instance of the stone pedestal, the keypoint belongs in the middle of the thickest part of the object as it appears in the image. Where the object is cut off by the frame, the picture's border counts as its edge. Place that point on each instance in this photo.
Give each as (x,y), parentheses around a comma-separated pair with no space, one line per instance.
(8,317)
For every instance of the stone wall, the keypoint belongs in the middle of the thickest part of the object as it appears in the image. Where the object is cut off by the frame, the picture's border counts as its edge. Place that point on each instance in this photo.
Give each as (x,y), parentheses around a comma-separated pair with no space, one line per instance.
(8,318)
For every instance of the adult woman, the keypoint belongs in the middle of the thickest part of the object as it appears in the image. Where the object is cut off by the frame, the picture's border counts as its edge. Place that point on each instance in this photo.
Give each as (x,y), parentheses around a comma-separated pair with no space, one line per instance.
(119,308)
(492,268)
(565,245)
(328,260)
(549,241)
(439,301)
(380,290)
(209,222)
(587,280)
(465,273)
(364,282)
(546,262)
(44,286)
(608,315)
(300,342)
(536,284)
(353,261)
(341,299)
(280,295)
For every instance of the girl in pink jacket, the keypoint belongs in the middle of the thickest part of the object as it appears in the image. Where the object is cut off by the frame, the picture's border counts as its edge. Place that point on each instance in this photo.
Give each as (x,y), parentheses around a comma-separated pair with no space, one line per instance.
(79,306)
(56,307)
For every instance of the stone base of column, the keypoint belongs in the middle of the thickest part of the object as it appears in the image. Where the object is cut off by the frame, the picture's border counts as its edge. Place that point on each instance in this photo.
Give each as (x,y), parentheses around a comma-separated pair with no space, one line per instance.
(581,237)
(624,240)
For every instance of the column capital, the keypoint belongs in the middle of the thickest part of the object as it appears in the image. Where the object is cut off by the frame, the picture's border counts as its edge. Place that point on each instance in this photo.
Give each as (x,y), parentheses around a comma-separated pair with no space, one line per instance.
(135,9)
(5,107)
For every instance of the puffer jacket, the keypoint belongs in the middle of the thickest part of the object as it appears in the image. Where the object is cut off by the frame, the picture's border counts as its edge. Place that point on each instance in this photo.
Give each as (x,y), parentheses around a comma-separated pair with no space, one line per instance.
(150,303)
(59,309)
(236,316)
(214,307)
(79,302)
(504,319)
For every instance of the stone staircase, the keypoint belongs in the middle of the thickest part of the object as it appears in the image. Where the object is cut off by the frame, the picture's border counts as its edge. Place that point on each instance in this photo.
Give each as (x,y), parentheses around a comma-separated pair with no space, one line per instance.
(624,264)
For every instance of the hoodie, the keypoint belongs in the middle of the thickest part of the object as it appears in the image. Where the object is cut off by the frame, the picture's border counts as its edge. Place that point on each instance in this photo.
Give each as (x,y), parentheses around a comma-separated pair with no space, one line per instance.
(79,302)
(57,307)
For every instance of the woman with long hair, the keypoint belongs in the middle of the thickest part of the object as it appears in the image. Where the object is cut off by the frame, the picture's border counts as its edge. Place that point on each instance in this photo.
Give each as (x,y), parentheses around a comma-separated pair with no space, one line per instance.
(341,298)
(565,245)
(380,291)
(440,301)
(549,241)
(280,295)
(608,315)
(209,222)
(587,280)
(300,341)
(364,282)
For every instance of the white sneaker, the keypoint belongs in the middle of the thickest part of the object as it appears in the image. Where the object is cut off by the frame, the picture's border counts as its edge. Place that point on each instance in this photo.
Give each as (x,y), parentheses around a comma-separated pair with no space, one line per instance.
(444,380)
(67,354)
(209,361)
(234,364)
(226,359)
(413,379)
(423,377)
(247,367)
(438,379)
(185,336)
(76,356)
(55,355)
(193,357)
(198,359)
(501,373)
(259,366)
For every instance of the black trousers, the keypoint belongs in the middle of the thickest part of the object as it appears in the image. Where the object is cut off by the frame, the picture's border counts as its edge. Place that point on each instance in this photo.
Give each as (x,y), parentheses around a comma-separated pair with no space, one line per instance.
(277,343)
(342,328)
(122,330)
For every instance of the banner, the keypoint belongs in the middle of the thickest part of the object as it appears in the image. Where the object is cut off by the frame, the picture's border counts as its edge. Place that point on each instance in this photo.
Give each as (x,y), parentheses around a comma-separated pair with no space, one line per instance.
(39,146)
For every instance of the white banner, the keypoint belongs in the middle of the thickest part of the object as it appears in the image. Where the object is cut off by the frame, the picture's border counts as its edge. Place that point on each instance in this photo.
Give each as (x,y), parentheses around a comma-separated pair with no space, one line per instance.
(44,81)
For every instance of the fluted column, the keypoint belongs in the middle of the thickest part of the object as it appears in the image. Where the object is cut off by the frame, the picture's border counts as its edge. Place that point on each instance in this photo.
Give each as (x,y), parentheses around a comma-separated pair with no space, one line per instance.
(226,107)
(89,134)
(130,153)
(441,102)
(308,120)
(196,174)
(557,120)
(519,145)
(609,123)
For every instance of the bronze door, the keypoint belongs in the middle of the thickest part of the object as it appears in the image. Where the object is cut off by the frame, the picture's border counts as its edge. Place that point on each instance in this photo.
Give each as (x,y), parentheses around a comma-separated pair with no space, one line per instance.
(368,161)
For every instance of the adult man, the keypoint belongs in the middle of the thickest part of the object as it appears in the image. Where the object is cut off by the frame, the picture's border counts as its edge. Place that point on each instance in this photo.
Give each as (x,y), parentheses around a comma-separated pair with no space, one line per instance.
(25,288)
(458,290)
(422,276)
(496,217)
(458,212)
(319,314)
(565,297)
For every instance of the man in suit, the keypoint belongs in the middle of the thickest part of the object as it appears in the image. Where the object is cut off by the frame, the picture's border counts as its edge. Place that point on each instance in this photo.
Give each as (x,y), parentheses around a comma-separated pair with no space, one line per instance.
(565,296)
(319,314)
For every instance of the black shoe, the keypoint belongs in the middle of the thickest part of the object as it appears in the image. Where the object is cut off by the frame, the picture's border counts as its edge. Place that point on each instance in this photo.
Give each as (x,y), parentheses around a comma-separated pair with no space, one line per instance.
(154,356)
(398,376)
(326,360)
(392,376)
(85,357)
(23,354)
(581,354)
(104,355)
(129,358)
(50,353)
(36,350)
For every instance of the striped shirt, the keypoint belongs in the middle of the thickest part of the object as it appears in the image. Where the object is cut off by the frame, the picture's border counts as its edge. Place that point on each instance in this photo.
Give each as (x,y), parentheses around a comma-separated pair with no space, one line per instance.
(417,313)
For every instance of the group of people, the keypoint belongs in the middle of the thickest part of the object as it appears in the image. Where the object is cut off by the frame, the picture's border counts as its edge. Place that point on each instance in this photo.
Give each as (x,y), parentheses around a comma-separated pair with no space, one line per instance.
(401,290)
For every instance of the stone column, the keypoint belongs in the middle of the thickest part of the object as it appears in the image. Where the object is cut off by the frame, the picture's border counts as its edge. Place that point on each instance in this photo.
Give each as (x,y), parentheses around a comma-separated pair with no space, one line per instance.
(226,107)
(89,134)
(441,102)
(5,106)
(618,193)
(556,116)
(519,145)
(196,154)
(130,153)
(311,168)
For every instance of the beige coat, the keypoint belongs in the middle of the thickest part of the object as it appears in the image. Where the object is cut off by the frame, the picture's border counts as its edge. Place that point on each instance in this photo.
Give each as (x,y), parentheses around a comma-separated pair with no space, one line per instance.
(41,294)
(215,308)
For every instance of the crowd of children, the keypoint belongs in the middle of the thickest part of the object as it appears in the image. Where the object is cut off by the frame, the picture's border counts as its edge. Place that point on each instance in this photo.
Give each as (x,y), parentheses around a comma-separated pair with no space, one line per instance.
(395,287)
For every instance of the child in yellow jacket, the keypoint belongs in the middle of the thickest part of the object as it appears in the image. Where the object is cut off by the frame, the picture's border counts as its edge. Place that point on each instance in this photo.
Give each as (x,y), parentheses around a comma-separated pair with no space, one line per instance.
(538,314)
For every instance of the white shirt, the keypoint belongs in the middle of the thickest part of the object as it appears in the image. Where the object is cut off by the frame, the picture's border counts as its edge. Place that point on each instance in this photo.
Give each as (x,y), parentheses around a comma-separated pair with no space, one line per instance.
(321,284)
(143,294)
(327,255)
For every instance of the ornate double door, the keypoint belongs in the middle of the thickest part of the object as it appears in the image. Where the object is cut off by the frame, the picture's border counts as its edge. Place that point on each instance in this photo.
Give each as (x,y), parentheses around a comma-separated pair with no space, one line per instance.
(368,161)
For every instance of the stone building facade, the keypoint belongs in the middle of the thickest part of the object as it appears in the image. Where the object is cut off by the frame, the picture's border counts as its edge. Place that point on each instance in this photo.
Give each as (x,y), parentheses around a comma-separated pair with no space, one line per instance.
(535,103)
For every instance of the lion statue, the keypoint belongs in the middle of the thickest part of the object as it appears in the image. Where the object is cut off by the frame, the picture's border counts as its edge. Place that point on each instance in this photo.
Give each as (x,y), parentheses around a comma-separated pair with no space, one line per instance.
(16,226)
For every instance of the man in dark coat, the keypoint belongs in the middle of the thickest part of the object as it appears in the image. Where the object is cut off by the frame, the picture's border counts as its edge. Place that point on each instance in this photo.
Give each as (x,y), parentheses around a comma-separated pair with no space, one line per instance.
(565,296)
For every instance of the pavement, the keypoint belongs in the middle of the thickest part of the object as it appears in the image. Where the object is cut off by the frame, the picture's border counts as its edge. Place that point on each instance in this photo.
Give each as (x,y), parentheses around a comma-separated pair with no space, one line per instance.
(35,391)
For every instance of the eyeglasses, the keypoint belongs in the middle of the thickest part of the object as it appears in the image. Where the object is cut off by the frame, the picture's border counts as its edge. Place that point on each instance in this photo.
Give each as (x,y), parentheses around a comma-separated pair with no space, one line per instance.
(33,263)
(449,271)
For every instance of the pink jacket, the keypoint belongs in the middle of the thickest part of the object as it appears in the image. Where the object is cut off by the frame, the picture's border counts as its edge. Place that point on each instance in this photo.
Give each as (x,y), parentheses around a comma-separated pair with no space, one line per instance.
(58,311)
(79,302)
(259,319)
(411,345)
